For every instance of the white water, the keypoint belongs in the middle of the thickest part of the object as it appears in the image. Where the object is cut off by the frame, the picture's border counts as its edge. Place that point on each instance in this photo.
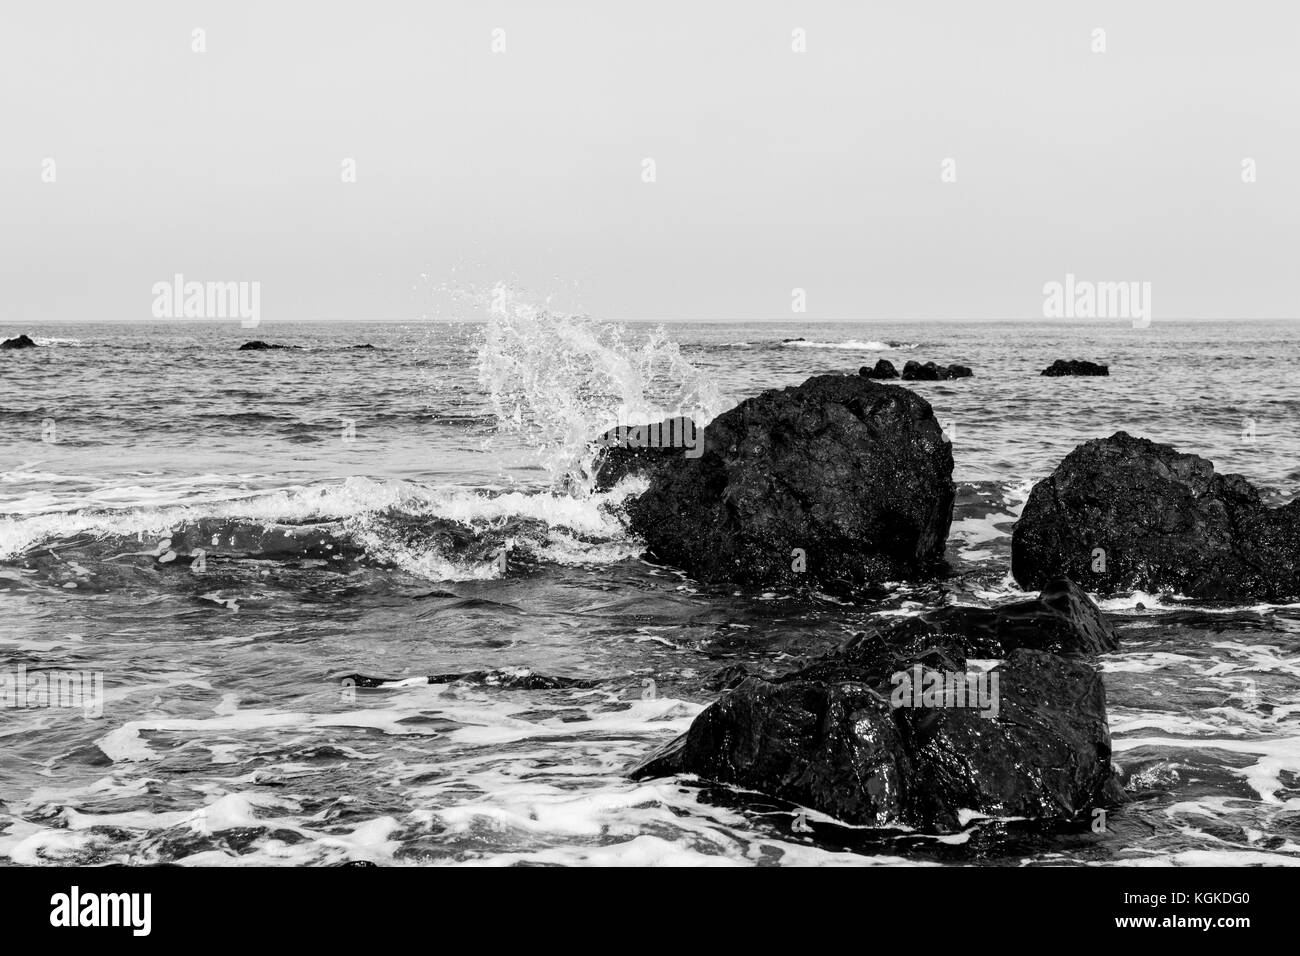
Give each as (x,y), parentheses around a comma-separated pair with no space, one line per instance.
(558,381)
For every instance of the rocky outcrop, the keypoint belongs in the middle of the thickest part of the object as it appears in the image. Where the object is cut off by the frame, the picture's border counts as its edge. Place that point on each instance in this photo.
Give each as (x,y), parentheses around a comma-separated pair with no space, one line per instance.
(901,728)
(1124,513)
(1075,367)
(835,483)
(883,369)
(914,371)
(260,346)
(20,342)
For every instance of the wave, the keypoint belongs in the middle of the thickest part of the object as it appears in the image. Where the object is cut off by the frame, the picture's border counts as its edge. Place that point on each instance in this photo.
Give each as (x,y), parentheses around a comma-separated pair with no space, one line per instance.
(557,381)
(438,534)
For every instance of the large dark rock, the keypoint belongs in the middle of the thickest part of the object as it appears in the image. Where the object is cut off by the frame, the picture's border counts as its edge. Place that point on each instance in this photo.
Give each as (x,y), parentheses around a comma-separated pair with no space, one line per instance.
(883,369)
(1121,513)
(850,737)
(836,482)
(1075,367)
(21,342)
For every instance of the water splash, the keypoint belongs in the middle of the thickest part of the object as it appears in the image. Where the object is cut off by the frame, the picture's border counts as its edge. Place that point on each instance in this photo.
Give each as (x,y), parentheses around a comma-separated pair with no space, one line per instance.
(557,381)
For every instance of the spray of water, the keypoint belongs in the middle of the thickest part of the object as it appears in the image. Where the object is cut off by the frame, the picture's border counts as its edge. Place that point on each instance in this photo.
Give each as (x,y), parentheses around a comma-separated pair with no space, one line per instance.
(557,381)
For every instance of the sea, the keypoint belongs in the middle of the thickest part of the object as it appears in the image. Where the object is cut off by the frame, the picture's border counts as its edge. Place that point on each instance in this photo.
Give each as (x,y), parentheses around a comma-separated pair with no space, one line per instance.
(414,635)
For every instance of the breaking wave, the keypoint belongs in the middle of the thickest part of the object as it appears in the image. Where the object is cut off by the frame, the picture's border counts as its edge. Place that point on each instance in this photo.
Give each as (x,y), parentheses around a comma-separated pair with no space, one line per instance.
(556,381)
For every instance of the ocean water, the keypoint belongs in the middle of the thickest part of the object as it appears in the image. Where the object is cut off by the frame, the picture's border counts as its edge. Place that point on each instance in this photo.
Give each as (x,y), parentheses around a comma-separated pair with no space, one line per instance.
(353,507)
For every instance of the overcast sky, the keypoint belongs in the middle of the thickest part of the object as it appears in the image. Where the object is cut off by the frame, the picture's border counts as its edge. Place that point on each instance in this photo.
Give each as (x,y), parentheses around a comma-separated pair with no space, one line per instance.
(774,169)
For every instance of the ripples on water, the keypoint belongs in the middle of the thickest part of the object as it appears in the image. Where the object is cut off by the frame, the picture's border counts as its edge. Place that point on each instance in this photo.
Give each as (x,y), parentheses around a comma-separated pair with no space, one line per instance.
(229,732)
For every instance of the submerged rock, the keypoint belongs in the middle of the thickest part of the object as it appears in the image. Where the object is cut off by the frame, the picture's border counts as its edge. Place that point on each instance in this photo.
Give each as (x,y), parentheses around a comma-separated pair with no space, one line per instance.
(883,369)
(1075,367)
(836,482)
(20,342)
(516,678)
(1121,513)
(899,728)
(260,346)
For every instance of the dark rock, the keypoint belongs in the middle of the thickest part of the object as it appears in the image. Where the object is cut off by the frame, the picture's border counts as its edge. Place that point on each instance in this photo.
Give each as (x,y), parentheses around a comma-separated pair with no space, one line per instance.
(914,371)
(1062,619)
(1121,513)
(884,369)
(21,342)
(366,346)
(800,339)
(636,449)
(1075,367)
(727,677)
(845,736)
(260,346)
(836,482)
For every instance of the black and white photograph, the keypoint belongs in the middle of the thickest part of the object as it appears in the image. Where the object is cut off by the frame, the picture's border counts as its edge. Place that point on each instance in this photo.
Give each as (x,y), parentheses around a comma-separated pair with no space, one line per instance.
(438,436)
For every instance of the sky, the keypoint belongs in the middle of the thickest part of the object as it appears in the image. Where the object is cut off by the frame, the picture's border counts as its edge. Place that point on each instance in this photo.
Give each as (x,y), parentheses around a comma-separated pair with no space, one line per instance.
(893,161)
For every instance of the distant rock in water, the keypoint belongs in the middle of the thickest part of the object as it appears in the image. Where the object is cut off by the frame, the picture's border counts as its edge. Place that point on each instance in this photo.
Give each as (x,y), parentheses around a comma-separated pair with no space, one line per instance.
(366,346)
(930,372)
(899,728)
(800,339)
(883,369)
(21,342)
(519,678)
(1075,367)
(835,483)
(260,346)
(637,449)
(1124,513)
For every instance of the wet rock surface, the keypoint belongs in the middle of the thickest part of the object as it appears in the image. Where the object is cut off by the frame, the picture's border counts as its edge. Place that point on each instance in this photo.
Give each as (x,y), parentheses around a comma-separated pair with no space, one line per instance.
(901,727)
(834,483)
(1075,367)
(1124,513)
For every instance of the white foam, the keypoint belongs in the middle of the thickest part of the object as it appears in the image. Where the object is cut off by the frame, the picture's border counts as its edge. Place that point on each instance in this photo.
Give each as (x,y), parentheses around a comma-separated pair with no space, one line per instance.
(855,345)
(580,530)
(1276,754)
(556,381)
